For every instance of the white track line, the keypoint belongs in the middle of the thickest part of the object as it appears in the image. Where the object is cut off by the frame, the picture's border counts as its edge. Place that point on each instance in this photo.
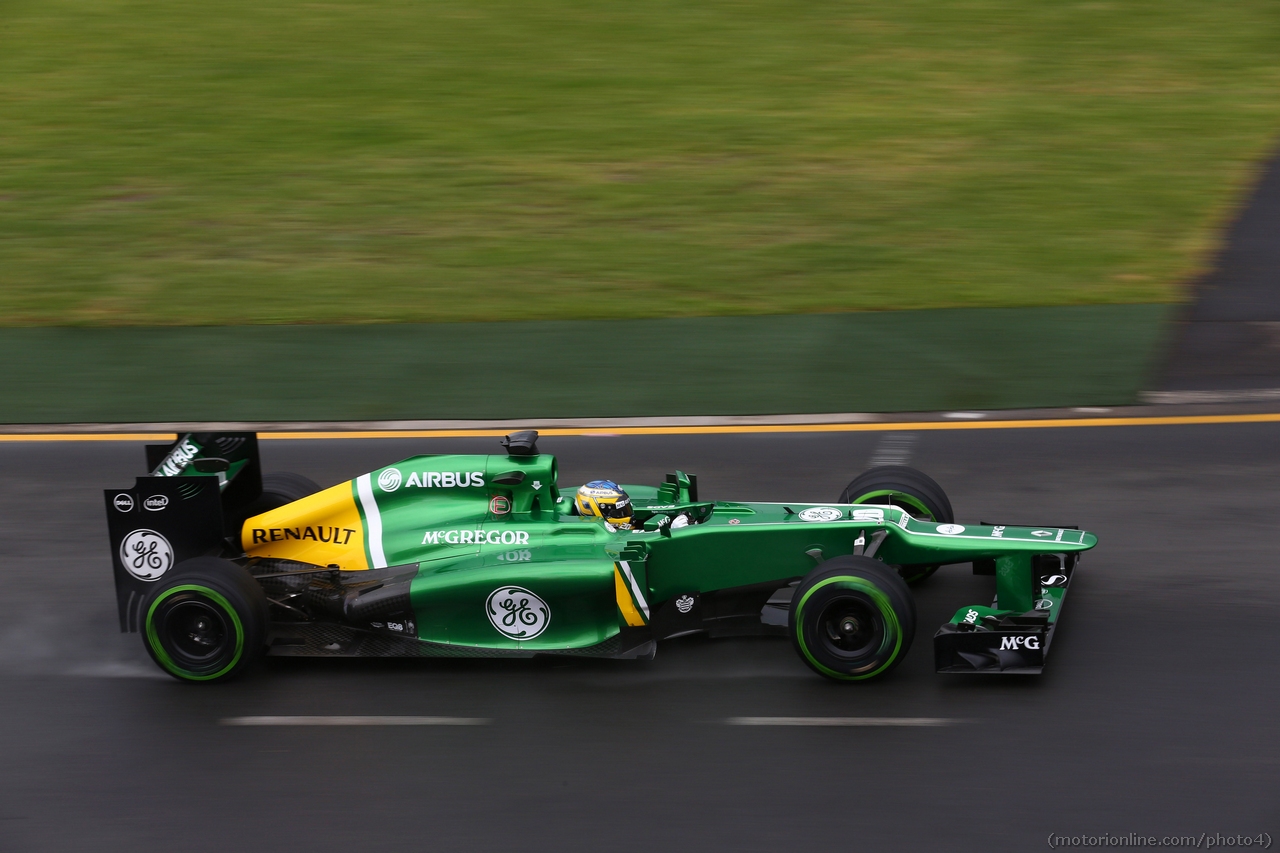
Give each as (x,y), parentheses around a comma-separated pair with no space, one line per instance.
(354,721)
(915,722)
(1249,395)
(894,448)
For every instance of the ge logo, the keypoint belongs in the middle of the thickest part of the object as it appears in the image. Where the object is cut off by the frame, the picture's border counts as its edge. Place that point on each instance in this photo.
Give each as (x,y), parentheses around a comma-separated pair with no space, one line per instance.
(821,513)
(389,480)
(950,529)
(517,613)
(146,554)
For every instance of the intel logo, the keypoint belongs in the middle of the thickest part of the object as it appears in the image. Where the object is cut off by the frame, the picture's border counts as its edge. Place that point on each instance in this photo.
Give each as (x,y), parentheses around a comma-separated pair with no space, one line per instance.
(156,502)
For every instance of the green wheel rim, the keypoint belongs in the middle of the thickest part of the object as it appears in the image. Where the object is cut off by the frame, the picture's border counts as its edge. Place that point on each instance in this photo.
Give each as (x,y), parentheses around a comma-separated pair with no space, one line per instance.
(892,626)
(153,636)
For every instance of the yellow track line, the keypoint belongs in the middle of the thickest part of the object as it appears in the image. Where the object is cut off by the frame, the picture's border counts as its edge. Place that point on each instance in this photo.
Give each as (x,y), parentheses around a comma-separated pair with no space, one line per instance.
(904,426)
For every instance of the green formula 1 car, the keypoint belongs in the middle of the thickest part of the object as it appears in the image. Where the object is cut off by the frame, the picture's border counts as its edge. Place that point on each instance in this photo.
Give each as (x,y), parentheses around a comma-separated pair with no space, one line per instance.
(481,556)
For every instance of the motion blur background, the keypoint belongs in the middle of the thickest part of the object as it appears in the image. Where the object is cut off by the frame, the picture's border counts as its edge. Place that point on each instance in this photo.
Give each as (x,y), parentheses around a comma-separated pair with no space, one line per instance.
(330,210)
(1061,171)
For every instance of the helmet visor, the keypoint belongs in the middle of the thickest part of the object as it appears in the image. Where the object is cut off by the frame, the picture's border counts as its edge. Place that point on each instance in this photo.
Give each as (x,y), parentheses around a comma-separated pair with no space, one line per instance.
(620,509)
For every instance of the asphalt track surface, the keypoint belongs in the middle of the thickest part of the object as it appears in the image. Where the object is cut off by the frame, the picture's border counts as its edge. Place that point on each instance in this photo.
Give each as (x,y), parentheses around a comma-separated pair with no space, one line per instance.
(1228,338)
(1157,713)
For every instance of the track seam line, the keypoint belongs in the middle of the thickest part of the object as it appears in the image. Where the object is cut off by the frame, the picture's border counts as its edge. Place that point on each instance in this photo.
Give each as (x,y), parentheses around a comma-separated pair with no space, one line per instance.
(872,722)
(357,720)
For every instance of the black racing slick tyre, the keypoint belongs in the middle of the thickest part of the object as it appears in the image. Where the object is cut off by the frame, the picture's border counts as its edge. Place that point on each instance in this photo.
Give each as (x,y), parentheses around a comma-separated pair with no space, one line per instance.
(278,488)
(852,619)
(206,621)
(906,488)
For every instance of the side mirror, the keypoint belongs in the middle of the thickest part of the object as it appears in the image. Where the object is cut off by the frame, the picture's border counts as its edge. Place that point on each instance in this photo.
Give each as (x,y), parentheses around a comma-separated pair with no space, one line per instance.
(211,466)
(660,523)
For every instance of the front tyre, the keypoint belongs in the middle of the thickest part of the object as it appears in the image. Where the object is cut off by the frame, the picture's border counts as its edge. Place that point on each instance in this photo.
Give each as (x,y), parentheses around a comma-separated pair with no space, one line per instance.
(852,619)
(206,621)
(908,489)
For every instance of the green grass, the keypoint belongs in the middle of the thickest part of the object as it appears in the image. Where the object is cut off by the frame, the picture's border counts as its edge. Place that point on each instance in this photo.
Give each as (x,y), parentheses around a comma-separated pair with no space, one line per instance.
(420,160)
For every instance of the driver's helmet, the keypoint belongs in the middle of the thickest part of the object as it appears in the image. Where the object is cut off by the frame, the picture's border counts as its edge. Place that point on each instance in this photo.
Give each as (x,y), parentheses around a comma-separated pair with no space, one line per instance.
(604,499)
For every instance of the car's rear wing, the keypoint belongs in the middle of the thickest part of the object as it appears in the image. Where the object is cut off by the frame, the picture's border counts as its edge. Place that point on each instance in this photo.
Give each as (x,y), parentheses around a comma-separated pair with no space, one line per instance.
(198,485)
(230,456)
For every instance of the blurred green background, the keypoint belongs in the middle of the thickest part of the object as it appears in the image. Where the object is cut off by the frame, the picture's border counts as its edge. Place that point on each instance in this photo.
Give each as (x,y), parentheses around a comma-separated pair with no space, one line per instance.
(422,162)
(231,162)
(947,358)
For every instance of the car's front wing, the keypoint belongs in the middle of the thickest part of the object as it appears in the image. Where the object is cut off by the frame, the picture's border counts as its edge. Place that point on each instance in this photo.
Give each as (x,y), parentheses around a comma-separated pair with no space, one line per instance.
(989,641)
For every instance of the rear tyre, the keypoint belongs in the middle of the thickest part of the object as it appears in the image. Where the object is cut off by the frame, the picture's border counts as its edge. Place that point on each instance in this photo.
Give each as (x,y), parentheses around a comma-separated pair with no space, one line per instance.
(906,488)
(280,488)
(852,619)
(206,621)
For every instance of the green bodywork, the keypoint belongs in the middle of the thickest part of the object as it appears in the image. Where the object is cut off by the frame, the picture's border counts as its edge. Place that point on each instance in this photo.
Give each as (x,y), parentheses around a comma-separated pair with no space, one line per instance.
(493,538)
